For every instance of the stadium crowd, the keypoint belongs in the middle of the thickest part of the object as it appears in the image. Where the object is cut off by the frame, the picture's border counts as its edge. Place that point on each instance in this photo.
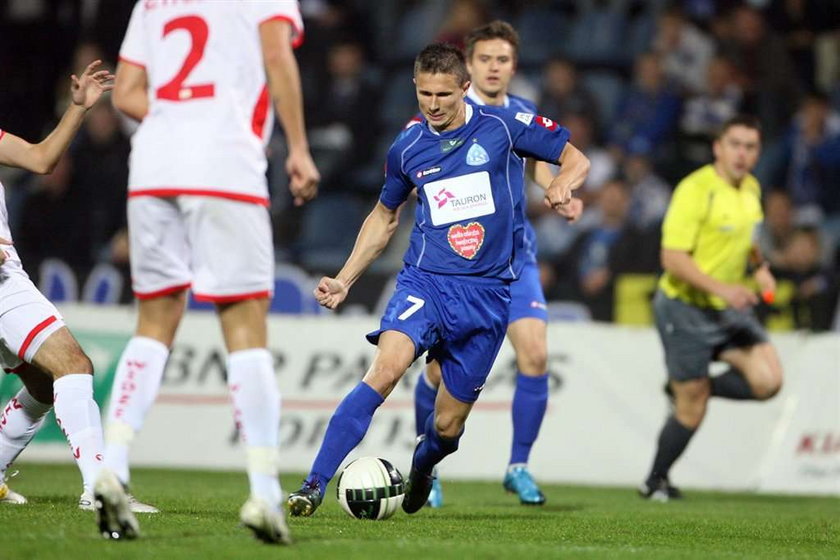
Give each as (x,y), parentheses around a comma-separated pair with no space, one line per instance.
(641,85)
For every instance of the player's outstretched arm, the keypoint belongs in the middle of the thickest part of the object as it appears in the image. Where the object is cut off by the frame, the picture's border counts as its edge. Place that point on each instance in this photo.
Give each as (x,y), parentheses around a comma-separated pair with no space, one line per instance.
(374,236)
(131,95)
(682,266)
(43,156)
(574,166)
(283,76)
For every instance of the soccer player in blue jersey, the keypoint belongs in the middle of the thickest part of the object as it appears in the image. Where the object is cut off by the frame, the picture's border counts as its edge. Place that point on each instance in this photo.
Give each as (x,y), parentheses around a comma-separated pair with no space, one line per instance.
(452,297)
(491,53)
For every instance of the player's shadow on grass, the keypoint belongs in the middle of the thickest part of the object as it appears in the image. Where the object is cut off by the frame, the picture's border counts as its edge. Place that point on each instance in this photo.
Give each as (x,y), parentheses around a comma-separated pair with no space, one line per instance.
(56,500)
(514,512)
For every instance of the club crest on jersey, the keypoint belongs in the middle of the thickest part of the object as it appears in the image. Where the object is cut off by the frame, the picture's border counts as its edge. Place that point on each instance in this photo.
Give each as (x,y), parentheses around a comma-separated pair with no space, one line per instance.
(545,122)
(449,145)
(429,171)
(466,240)
(477,155)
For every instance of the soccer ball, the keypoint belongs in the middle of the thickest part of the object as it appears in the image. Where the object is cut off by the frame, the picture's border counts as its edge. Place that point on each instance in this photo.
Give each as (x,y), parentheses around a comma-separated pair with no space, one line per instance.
(370,488)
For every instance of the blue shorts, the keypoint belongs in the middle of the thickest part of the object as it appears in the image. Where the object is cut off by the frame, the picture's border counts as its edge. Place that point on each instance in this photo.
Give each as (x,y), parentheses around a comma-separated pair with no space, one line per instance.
(460,321)
(526,296)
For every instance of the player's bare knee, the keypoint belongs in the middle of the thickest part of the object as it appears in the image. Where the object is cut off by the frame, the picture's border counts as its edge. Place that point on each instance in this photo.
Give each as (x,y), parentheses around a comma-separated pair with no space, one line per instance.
(690,415)
(383,377)
(767,388)
(533,359)
(448,425)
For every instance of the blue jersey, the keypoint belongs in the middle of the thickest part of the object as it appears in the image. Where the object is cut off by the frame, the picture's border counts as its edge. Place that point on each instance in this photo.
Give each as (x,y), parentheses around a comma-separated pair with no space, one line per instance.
(470,217)
(516,104)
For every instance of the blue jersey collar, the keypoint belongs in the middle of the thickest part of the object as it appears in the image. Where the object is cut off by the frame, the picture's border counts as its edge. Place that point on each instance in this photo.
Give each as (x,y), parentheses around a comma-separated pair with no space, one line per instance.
(475,98)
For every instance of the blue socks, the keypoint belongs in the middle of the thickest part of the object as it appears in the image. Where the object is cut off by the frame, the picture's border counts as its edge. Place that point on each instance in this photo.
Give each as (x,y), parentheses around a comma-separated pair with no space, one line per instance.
(424,402)
(433,449)
(529,403)
(347,427)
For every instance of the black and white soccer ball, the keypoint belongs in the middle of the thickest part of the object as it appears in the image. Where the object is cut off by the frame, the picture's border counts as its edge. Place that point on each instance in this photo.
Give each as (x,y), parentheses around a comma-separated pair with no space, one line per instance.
(370,488)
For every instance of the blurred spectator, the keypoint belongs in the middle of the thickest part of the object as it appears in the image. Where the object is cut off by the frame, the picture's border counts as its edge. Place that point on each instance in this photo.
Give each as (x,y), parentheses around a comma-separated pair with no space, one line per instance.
(648,113)
(816,285)
(810,165)
(463,17)
(769,79)
(602,167)
(36,41)
(797,22)
(777,228)
(342,119)
(779,225)
(53,221)
(562,93)
(685,51)
(611,247)
(705,112)
(554,234)
(109,23)
(100,176)
(649,193)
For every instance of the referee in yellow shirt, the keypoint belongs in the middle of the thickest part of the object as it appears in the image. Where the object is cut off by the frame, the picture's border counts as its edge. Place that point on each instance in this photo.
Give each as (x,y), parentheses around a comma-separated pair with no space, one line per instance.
(703,309)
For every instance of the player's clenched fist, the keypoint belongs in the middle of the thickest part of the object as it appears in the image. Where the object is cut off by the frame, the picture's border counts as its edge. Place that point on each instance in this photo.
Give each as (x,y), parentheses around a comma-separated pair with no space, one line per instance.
(572,210)
(557,195)
(330,292)
(303,176)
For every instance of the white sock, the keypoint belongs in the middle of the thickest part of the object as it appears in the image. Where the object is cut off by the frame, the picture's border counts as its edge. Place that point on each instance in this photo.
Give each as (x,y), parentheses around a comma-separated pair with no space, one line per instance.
(20,420)
(256,410)
(135,389)
(78,415)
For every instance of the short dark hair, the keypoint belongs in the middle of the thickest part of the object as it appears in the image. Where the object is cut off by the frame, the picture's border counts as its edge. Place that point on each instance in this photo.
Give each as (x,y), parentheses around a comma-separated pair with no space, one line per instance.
(497,29)
(749,121)
(441,58)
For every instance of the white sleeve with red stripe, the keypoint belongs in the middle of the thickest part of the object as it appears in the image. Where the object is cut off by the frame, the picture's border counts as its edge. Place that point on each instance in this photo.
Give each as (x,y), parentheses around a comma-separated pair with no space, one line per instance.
(286,10)
(133,49)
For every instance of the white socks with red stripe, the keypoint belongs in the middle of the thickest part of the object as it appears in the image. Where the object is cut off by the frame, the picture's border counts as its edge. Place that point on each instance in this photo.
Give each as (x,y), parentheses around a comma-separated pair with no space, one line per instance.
(20,420)
(135,388)
(256,410)
(78,415)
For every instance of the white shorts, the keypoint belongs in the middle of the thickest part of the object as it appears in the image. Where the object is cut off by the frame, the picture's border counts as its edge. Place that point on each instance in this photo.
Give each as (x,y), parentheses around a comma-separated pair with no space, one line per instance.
(27,319)
(220,248)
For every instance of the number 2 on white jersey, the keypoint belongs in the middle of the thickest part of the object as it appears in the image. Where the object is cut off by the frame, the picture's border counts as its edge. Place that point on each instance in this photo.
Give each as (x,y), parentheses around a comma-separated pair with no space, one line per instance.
(175,89)
(416,304)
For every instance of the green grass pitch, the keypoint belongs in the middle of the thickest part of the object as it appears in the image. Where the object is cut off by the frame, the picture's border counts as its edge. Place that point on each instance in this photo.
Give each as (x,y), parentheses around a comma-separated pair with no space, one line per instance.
(200,520)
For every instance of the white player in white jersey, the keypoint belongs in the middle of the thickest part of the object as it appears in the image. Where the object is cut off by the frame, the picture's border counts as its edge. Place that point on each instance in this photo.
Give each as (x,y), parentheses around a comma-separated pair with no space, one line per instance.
(199,75)
(37,346)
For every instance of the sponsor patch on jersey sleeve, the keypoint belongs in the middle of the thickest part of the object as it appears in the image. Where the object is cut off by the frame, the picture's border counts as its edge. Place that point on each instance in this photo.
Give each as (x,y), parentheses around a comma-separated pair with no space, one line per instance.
(525,118)
(545,122)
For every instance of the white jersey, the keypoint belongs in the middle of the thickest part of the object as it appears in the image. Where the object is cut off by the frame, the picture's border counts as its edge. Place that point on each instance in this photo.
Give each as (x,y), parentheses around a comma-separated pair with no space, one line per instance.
(12,258)
(209,108)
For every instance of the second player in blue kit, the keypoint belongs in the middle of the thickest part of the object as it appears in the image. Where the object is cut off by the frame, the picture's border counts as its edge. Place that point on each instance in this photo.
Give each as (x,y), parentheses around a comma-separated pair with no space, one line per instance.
(468,244)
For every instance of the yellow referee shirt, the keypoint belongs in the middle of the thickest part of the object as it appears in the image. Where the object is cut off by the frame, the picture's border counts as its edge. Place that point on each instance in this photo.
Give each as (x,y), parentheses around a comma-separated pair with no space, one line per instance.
(715,222)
